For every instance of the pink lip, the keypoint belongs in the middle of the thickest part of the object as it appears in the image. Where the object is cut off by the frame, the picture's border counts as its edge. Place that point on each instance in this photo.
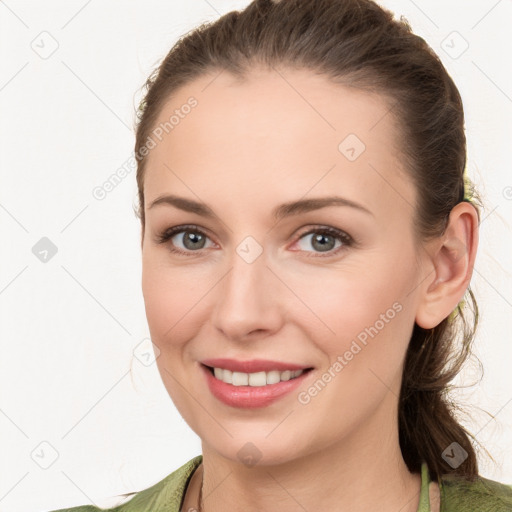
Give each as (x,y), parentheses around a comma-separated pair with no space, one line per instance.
(253,366)
(250,397)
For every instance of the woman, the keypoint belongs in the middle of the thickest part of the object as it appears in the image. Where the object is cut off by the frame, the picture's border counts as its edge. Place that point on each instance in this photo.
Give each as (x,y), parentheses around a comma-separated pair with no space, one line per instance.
(308,239)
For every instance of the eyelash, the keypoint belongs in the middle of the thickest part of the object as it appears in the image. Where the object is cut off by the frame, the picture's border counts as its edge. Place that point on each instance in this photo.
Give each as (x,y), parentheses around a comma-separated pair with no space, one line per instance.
(347,240)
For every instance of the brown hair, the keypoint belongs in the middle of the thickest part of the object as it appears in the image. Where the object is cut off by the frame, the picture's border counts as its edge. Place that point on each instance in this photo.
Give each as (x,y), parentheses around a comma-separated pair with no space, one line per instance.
(358,44)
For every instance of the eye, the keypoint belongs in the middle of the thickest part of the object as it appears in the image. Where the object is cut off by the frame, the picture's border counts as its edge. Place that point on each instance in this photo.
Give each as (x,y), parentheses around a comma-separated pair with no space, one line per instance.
(193,239)
(324,239)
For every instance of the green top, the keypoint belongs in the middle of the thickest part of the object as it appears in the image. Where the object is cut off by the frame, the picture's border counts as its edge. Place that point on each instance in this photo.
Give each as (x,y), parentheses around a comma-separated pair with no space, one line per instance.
(457,494)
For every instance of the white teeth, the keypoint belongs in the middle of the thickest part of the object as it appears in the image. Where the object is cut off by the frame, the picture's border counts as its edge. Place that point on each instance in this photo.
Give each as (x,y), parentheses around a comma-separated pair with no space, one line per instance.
(286,375)
(240,379)
(273,377)
(254,379)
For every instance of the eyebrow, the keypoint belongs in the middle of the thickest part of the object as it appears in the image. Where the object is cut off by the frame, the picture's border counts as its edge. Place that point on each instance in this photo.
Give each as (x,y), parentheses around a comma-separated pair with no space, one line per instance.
(280,212)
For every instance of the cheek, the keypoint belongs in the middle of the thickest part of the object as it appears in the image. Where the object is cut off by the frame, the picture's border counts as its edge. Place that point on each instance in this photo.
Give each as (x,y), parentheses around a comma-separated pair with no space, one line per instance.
(167,301)
(364,356)
(366,313)
(176,299)
(346,300)
(167,298)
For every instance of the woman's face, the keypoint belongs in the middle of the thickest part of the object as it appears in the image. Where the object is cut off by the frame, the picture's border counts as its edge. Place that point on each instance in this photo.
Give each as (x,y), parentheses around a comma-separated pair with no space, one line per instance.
(252,285)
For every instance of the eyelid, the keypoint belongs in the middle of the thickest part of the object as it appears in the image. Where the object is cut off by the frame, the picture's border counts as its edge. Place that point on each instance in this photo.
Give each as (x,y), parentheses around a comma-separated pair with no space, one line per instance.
(165,235)
(347,239)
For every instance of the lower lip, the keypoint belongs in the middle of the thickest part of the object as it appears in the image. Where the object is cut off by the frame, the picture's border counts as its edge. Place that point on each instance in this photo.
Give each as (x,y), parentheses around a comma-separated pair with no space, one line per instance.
(250,397)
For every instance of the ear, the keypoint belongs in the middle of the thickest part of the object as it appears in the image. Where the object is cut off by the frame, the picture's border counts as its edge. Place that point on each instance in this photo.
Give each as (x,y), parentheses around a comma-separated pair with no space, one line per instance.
(449,265)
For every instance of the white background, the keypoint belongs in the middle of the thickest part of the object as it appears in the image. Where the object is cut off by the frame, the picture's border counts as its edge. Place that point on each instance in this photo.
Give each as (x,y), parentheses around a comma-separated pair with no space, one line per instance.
(69,326)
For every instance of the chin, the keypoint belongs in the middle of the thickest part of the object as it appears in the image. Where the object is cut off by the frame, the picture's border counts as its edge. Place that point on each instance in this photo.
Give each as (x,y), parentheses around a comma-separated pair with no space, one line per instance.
(257,450)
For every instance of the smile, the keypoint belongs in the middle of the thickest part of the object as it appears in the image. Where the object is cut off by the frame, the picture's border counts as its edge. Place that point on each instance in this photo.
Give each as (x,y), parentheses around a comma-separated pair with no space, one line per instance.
(252,390)
(254,379)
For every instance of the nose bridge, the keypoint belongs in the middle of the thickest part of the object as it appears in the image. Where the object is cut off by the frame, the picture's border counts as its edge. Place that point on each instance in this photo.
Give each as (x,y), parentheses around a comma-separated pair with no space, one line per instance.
(245,283)
(246,298)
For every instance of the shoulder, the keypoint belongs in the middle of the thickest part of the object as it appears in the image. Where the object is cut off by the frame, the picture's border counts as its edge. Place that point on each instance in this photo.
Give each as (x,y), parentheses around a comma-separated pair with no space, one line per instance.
(166,495)
(478,495)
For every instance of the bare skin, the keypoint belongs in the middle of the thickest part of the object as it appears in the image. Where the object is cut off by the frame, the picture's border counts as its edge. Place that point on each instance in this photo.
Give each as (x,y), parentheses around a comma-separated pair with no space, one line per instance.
(243,150)
(191,498)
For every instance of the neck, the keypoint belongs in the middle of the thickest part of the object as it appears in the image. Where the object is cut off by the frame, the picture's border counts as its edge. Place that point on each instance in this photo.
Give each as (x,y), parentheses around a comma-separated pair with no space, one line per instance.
(365,471)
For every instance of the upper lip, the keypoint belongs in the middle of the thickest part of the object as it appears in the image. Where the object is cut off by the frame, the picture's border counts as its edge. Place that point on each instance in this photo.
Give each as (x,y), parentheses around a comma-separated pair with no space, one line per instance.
(252,366)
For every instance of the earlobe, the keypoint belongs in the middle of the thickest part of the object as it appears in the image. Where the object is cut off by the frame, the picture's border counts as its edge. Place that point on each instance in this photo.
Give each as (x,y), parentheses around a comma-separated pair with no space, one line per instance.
(451,265)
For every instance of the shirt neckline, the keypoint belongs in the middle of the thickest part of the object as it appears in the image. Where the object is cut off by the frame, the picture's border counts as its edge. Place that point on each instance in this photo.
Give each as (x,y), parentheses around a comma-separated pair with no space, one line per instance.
(424,501)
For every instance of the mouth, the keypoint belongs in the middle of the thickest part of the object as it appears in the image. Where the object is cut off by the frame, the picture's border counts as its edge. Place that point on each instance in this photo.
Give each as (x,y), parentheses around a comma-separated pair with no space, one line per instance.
(254,379)
(253,390)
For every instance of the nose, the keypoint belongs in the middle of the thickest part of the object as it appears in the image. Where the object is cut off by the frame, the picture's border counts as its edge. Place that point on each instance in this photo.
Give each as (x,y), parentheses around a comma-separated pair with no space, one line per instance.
(248,300)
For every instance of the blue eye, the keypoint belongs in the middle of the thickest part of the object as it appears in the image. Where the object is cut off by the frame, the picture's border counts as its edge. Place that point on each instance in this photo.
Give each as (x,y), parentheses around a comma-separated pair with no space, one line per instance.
(194,239)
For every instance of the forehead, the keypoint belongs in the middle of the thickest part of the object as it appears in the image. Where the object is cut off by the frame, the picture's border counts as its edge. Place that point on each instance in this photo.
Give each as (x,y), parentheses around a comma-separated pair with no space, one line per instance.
(277,136)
